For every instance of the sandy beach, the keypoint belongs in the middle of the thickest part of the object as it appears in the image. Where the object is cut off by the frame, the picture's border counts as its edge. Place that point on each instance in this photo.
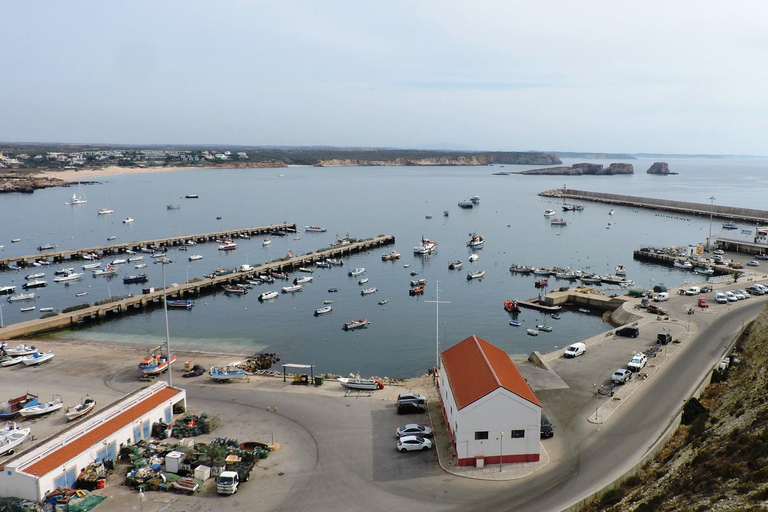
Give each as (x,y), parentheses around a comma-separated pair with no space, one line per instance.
(112,170)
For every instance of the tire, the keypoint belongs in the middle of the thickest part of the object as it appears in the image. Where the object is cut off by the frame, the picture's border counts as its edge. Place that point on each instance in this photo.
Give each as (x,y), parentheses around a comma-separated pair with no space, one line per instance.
(425,448)
(403,450)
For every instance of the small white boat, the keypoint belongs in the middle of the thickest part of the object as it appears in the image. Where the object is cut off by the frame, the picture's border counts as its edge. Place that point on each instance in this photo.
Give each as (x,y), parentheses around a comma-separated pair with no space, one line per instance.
(9,441)
(34,276)
(109,270)
(21,350)
(268,295)
(474,258)
(456,265)
(475,274)
(37,358)
(328,301)
(611,212)
(106,211)
(91,266)
(620,270)
(532,332)
(81,294)
(683,264)
(359,383)
(119,261)
(21,296)
(363,280)
(306,270)
(266,242)
(12,361)
(549,212)
(305,279)
(383,301)
(558,222)
(63,271)
(81,409)
(427,246)
(356,324)
(323,310)
(141,265)
(127,220)
(134,259)
(315,229)
(35,283)
(46,310)
(356,271)
(43,408)
(4,290)
(27,309)
(195,257)
(69,277)
(228,246)
(291,289)
(545,328)
(367,291)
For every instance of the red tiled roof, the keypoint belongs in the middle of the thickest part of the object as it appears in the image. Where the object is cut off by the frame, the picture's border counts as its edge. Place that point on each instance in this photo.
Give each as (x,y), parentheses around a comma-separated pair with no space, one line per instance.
(475,368)
(70,451)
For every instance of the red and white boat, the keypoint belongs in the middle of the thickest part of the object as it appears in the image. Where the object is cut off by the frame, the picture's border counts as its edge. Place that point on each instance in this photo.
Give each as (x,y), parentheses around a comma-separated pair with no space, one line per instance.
(156,363)
(228,246)
(390,256)
(357,324)
(427,246)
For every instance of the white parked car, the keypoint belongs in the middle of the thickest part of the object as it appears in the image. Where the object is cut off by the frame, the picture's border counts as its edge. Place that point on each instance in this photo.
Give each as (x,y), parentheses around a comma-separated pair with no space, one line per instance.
(414,429)
(745,293)
(719,252)
(753,263)
(720,298)
(575,350)
(411,443)
(637,362)
(731,297)
(693,290)
(738,294)
(661,297)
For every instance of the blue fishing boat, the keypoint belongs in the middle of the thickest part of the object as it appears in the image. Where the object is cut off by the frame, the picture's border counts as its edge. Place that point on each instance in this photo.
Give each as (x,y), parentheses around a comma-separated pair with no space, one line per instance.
(226,373)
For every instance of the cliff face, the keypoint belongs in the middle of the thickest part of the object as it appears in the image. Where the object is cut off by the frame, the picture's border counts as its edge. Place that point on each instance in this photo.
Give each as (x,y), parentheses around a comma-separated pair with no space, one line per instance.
(478,159)
(584,169)
(27,185)
(659,168)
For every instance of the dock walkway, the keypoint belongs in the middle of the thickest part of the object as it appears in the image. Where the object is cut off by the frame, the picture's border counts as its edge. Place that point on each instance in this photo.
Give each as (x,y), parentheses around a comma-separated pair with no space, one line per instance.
(191,289)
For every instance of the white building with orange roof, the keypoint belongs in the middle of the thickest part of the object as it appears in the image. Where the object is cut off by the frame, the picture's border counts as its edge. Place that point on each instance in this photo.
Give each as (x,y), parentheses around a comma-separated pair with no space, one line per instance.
(492,414)
(58,460)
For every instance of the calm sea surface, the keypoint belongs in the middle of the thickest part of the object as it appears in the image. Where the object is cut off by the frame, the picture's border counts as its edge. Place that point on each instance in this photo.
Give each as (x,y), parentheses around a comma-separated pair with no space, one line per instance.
(364,202)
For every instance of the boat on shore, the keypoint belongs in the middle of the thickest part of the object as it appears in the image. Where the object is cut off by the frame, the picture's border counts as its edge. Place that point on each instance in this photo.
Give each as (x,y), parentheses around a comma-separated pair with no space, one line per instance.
(227,373)
(13,407)
(323,311)
(156,362)
(475,274)
(13,438)
(356,324)
(427,246)
(76,411)
(357,382)
(455,265)
(43,407)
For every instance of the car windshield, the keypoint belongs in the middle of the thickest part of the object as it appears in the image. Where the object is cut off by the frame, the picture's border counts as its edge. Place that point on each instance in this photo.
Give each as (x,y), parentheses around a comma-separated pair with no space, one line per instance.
(635,360)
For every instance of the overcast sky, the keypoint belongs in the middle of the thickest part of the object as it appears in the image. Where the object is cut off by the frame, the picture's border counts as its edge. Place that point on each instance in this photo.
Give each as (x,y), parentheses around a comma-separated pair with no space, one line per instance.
(609,76)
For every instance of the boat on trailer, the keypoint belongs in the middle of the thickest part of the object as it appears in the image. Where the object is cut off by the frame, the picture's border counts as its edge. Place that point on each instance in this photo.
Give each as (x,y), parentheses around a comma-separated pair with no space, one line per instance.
(357,382)
(76,411)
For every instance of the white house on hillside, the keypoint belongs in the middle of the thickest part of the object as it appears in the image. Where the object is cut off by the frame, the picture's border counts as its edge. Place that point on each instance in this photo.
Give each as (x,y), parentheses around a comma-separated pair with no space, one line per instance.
(493,415)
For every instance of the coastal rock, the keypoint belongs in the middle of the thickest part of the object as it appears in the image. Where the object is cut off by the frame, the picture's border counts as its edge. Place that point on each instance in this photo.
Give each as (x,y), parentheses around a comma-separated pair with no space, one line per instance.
(584,169)
(479,159)
(9,184)
(659,168)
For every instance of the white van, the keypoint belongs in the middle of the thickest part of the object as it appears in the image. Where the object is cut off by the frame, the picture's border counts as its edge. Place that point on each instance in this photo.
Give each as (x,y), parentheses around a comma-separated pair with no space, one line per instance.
(575,350)
(661,297)
(693,290)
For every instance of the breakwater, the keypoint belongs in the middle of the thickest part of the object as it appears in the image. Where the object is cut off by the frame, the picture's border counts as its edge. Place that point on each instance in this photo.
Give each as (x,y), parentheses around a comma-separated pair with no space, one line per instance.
(192,289)
(701,209)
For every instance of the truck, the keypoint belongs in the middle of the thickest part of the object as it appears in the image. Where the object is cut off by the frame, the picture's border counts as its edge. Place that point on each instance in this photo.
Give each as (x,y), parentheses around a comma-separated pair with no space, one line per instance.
(231,479)
(244,268)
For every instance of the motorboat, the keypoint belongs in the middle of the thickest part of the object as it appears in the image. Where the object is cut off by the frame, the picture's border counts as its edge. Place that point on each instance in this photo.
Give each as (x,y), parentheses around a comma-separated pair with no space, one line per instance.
(620,270)
(356,324)
(367,291)
(106,211)
(314,229)
(706,271)
(683,264)
(292,289)
(419,290)
(228,246)
(134,259)
(427,246)
(21,296)
(140,265)
(5,290)
(568,275)
(476,241)
(35,283)
(181,304)
(76,411)
(542,271)
(46,310)
(37,275)
(456,265)
(27,309)
(391,256)
(9,441)
(511,306)
(545,328)
(234,290)
(109,270)
(37,358)
(515,323)
(475,199)
(227,373)
(549,212)
(520,269)
(266,242)
(74,276)
(474,258)
(466,203)
(323,310)
(195,257)
(63,271)
(43,408)
(304,279)
(268,295)
(418,282)
(173,206)
(363,281)
(156,362)
(127,220)
(357,382)
(543,283)
(532,332)
(323,264)
(730,225)
(192,196)
(91,266)
(383,301)
(475,274)
(119,261)
(81,294)
(306,270)
(46,247)
(356,271)
(557,222)
(138,278)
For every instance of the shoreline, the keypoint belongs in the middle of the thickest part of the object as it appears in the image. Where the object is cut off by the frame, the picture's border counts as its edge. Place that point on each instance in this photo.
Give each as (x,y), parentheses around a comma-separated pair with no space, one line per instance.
(114,170)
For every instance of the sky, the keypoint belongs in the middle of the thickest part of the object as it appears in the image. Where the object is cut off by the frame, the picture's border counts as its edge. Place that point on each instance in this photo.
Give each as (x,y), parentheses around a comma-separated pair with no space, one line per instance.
(604,76)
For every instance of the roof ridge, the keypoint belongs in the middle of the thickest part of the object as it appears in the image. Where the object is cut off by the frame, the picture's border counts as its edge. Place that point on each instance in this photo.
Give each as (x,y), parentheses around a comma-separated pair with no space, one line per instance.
(487,362)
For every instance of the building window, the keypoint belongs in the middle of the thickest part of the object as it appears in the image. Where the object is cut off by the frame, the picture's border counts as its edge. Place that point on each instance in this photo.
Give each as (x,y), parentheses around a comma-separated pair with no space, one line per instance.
(479,436)
(518,434)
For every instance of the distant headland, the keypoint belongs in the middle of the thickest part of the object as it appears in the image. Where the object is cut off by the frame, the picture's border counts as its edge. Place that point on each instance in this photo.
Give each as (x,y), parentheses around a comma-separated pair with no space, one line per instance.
(583,169)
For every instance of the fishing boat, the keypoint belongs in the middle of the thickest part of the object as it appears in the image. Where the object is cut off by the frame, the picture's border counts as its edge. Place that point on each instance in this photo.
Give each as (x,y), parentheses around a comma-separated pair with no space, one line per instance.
(181,304)
(305,279)
(314,229)
(27,309)
(268,295)
(542,283)
(35,283)
(138,278)
(514,323)
(356,272)
(532,332)
(466,203)
(568,275)
(542,271)
(391,256)
(34,276)
(106,211)
(474,258)
(76,411)
(590,279)
(419,290)
(42,408)
(367,291)
(192,196)
(46,247)
(475,274)
(234,290)
(427,246)
(12,408)
(455,265)
(512,306)
(127,220)
(5,290)
(108,271)
(21,296)
(706,271)
(173,206)
(620,270)
(558,222)
(9,441)
(292,289)
(383,301)
(195,257)
(520,269)
(475,241)
(227,373)
(549,212)
(74,276)
(475,199)
(356,324)
(357,382)
(545,328)
(323,310)
(683,264)
(91,266)
(156,362)
(363,281)
(418,282)
(228,246)
(730,225)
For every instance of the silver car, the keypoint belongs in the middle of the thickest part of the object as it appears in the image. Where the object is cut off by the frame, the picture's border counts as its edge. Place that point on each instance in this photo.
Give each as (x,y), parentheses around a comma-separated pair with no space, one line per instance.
(414,429)
(621,376)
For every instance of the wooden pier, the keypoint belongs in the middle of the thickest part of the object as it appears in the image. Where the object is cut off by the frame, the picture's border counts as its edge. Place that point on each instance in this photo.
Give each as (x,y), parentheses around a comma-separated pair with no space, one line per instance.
(104,250)
(669,261)
(192,289)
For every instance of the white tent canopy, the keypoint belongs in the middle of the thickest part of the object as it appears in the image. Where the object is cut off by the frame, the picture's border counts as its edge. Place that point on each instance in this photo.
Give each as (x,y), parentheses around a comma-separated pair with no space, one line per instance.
(302,366)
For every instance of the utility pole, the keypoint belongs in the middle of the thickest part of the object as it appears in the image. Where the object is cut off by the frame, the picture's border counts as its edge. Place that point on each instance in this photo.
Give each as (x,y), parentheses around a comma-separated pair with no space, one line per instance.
(711,208)
(437,324)
(164,262)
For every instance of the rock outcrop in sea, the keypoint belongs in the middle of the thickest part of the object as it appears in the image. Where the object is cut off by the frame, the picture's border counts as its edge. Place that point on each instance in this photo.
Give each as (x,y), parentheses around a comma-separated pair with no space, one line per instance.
(659,168)
(584,169)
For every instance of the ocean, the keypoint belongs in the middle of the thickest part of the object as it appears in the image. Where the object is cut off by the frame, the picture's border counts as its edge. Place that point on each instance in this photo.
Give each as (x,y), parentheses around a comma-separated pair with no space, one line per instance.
(401,339)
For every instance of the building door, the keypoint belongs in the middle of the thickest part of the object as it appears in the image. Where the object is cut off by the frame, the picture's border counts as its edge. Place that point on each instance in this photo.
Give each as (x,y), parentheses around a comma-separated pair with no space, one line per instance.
(66,479)
(137,433)
(168,416)
(146,429)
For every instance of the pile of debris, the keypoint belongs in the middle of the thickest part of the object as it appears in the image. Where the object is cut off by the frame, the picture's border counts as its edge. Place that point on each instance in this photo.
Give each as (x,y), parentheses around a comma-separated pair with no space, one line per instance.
(191,425)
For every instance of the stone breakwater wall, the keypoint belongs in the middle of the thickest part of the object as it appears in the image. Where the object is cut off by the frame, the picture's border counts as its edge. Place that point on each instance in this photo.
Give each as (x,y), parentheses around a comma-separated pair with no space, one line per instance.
(704,209)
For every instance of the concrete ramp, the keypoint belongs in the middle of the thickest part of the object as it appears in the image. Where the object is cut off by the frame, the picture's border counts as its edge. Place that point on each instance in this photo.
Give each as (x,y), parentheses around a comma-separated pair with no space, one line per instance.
(540,376)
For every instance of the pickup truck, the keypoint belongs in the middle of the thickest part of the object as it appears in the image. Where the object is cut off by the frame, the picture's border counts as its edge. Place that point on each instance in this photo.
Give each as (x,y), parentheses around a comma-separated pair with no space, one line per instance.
(230,480)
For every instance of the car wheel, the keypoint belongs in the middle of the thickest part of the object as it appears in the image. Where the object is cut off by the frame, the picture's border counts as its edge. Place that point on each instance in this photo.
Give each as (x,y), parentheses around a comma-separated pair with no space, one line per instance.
(425,448)
(403,450)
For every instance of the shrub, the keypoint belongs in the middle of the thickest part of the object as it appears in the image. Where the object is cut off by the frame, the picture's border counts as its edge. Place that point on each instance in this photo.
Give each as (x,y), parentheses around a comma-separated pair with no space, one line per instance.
(719,375)
(611,497)
(76,308)
(692,410)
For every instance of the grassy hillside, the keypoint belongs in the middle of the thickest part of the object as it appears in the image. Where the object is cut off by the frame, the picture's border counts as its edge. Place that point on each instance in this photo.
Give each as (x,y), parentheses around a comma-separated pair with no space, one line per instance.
(718,458)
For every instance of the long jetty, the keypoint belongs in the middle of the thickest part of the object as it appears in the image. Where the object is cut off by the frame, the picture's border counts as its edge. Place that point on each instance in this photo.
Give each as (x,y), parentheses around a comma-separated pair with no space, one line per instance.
(702,209)
(192,289)
(59,256)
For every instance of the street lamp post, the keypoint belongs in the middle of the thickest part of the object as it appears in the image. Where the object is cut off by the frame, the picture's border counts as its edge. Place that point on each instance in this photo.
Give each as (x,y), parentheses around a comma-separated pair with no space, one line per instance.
(1,317)
(501,449)
(141,498)
(271,429)
(711,207)
(164,262)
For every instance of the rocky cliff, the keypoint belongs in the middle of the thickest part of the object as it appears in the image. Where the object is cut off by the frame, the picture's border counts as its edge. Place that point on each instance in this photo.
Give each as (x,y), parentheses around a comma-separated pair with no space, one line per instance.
(27,185)
(584,169)
(477,159)
(659,168)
